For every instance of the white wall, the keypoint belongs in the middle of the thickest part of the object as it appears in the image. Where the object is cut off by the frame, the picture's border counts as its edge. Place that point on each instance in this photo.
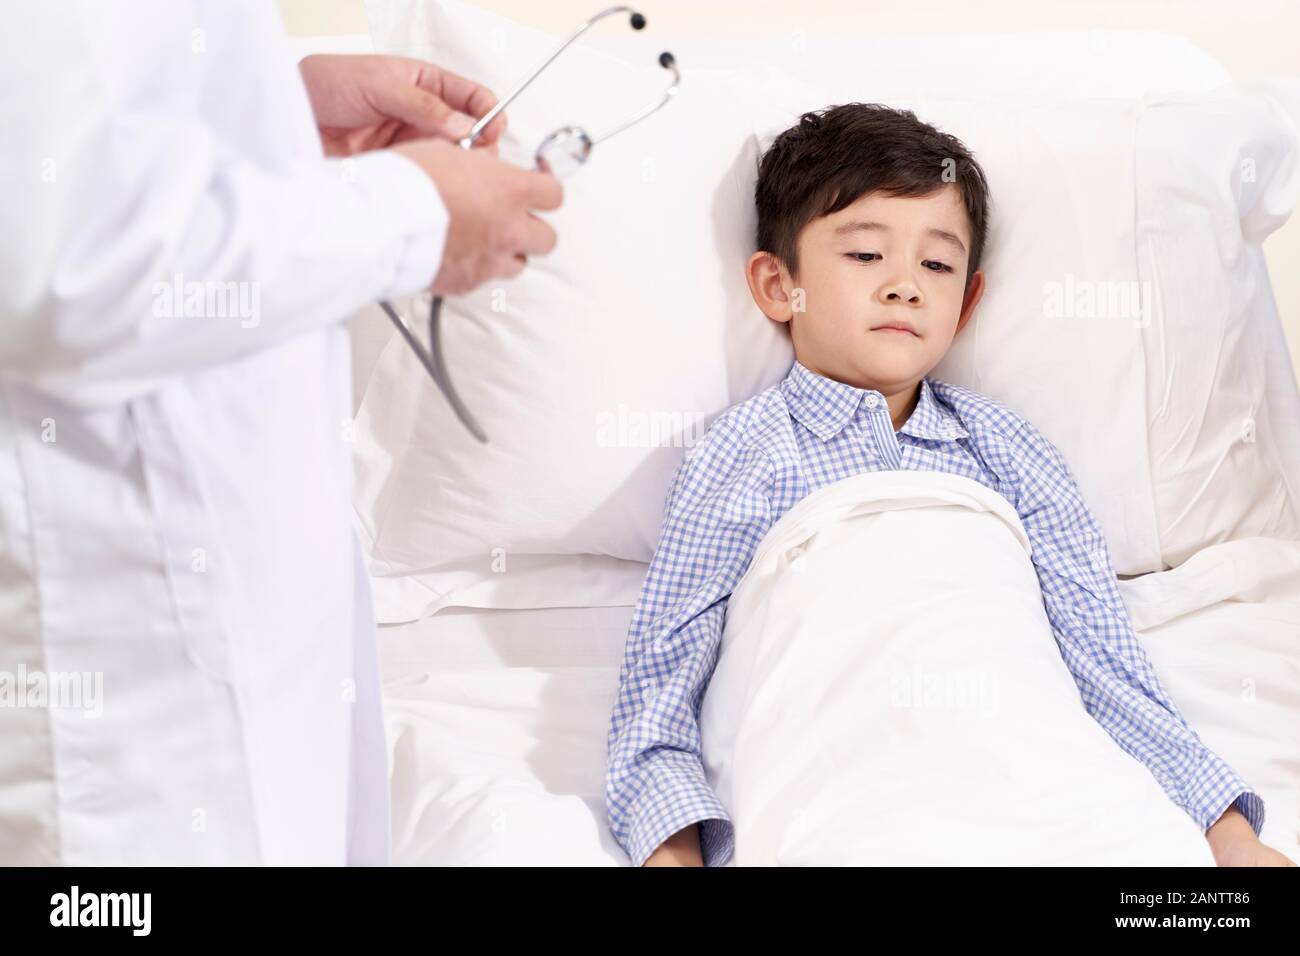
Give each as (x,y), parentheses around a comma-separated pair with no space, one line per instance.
(1249,37)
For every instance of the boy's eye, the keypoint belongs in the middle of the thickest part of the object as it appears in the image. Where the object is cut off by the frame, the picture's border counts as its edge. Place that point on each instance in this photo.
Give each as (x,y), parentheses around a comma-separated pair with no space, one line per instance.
(862,257)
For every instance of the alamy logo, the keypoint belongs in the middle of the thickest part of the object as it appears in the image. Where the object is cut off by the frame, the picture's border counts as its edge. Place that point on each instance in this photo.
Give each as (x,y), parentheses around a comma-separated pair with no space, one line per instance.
(73,690)
(179,299)
(632,428)
(1075,298)
(102,909)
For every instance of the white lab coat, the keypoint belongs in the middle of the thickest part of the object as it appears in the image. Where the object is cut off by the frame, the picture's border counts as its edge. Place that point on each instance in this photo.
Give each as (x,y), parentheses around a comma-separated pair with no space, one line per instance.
(175,510)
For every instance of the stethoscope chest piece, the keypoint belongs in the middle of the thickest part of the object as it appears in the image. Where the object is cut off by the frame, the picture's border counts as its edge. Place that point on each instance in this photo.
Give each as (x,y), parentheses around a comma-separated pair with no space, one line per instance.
(564,151)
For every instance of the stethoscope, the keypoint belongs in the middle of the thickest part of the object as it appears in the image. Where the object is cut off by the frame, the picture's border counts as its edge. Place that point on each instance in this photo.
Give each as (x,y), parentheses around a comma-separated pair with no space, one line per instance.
(560,154)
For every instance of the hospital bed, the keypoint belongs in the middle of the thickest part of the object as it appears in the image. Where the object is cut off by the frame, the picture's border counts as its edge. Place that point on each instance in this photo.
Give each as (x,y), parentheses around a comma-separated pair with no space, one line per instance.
(497,711)
(497,719)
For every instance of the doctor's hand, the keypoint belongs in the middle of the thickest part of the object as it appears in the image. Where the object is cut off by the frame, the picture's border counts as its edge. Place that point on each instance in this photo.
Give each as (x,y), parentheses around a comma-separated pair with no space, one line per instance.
(492,230)
(370,102)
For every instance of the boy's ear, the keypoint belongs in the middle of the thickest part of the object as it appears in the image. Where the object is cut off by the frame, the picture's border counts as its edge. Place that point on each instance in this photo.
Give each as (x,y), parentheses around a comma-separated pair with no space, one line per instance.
(770,285)
(974,292)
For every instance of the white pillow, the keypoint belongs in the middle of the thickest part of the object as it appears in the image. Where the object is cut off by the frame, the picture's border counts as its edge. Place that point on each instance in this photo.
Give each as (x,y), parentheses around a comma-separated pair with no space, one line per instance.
(638,323)
(1217,173)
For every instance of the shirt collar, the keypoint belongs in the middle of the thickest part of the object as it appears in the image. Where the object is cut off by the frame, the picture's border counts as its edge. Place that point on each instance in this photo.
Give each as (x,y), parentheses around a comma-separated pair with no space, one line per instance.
(932,419)
(824,406)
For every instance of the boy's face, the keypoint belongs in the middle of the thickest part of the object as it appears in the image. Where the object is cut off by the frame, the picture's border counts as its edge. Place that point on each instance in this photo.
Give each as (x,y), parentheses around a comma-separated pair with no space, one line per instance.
(881,260)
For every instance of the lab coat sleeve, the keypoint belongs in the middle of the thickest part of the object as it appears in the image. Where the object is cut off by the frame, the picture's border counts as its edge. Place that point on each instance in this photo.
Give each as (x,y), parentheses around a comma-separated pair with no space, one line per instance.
(141,244)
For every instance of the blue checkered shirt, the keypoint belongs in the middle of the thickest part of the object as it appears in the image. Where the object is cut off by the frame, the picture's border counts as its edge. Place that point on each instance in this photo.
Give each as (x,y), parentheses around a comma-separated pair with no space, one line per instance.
(757,461)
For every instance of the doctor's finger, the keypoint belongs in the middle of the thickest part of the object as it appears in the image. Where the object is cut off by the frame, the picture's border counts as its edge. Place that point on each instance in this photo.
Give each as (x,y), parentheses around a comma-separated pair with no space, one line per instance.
(421,111)
(543,190)
(507,267)
(534,238)
(467,97)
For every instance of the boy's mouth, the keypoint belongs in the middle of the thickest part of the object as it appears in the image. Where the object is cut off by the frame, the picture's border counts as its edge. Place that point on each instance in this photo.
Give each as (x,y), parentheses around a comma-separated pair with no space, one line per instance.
(896,327)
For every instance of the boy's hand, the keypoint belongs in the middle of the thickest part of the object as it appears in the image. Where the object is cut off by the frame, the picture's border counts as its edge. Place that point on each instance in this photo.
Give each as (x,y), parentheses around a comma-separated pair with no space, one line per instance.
(1233,843)
(1250,853)
(680,849)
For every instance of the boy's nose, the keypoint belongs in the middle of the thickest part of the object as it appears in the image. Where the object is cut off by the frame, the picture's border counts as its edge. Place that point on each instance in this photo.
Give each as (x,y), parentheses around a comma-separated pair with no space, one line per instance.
(902,292)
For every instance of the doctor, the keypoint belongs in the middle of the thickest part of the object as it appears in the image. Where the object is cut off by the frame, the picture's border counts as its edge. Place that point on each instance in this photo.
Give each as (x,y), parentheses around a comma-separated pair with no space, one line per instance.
(187,652)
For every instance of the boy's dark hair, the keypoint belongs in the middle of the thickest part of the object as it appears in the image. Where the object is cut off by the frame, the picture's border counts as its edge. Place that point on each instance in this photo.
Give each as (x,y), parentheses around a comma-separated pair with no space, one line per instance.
(832,157)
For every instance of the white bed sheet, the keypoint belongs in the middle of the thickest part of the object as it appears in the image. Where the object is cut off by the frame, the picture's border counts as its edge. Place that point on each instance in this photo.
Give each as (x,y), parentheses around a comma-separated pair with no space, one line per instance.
(496,730)
(497,719)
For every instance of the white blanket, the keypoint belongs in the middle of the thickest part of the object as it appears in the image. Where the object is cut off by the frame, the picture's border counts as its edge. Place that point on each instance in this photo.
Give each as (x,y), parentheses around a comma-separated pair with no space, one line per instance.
(889,691)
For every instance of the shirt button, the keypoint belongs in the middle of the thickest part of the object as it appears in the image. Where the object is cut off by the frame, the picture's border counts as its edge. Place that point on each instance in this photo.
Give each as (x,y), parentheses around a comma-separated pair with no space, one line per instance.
(872,401)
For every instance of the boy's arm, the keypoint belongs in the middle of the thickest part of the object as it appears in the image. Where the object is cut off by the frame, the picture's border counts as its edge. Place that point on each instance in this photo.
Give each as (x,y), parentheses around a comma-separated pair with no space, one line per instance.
(1092,628)
(718,509)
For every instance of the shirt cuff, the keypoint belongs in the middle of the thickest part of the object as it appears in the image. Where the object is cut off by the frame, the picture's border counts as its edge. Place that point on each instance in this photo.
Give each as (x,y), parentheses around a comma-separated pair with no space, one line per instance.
(675,795)
(409,218)
(1214,787)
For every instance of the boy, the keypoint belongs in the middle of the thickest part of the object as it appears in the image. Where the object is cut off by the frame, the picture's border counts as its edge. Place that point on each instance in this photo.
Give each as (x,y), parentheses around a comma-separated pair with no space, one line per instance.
(871,227)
